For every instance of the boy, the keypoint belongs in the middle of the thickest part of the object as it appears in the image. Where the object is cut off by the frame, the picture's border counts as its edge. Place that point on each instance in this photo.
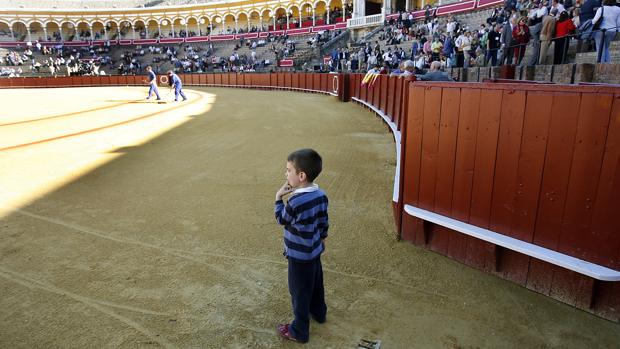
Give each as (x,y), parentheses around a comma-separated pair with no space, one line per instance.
(305,222)
(175,83)
(152,81)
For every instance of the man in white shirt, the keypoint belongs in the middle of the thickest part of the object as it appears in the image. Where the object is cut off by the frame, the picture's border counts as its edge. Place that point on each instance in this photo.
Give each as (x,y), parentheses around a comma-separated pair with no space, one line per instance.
(463,44)
(451,26)
(557,6)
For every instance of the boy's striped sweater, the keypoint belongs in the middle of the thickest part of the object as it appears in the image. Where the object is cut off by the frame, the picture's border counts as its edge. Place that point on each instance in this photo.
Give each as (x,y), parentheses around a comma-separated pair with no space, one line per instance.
(305,222)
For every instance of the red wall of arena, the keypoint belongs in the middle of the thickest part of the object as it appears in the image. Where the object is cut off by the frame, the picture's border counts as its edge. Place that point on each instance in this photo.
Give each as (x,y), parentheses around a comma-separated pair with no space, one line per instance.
(537,163)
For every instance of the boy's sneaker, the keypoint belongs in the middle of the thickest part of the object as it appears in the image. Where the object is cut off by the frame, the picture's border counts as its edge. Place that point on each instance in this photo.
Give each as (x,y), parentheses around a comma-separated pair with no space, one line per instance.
(284,332)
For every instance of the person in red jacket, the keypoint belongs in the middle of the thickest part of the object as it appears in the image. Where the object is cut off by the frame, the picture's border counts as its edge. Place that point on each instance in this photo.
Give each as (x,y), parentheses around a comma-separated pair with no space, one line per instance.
(564,27)
(520,36)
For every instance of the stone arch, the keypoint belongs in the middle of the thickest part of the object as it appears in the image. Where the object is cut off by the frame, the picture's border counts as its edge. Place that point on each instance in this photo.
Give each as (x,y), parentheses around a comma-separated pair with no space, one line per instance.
(307,11)
(243,21)
(229,22)
(204,25)
(280,14)
(19,31)
(83,30)
(294,18)
(36,31)
(217,24)
(165,26)
(125,28)
(98,31)
(139,26)
(254,19)
(179,26)
(5,31)
(68,30)
(112,29)
(152,28)
(320,12)
(53,30)
(192,26)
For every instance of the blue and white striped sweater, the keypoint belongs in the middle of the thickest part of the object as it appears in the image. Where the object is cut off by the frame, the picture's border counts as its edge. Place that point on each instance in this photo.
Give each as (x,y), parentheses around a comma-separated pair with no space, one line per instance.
(305,222)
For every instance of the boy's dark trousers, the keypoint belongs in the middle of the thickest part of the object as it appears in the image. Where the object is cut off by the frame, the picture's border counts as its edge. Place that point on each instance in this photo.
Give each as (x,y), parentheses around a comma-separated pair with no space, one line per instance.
(305,284)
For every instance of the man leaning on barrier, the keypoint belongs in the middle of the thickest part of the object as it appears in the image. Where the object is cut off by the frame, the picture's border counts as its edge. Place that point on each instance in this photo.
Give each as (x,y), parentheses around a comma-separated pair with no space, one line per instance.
(434,74)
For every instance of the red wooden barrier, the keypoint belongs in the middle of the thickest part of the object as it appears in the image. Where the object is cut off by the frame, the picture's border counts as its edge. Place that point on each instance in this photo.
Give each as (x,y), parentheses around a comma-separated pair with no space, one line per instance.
(537,163)
(383,88)
(279,82)
(391,92)
(376,93)
(397,101)
(325,82)
(288,80)
(295,80)
(363,91)
(316,82)
(194,79)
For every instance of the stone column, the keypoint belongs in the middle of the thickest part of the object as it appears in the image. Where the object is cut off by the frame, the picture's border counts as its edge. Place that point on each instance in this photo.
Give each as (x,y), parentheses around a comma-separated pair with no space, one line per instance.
(28,31)
(359,8)
(387,7)
(172,26)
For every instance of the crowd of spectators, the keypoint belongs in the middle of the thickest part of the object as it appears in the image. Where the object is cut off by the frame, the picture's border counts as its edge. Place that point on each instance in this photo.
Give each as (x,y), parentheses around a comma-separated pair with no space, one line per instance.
(505,36)
(85,60)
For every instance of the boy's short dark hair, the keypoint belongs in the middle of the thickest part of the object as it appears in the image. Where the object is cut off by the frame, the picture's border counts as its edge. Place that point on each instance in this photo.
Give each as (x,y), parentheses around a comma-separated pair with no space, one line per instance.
(307,161)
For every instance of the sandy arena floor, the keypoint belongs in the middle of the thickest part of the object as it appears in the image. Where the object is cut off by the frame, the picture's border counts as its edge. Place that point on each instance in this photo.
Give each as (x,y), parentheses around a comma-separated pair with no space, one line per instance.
(131,224)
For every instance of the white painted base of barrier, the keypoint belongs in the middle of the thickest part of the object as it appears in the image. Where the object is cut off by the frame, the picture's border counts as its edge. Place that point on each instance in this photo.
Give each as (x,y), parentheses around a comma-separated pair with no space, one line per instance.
(580,266)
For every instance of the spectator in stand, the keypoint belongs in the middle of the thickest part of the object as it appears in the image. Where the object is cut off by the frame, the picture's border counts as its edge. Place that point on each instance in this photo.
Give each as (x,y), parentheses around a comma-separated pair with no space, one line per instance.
(587,10)
(521,37)
(463,45)
(563,29)
(434,74)
(546,34)
(609,15)
(556,5)
(448,50)
(535,17)
(507,42)
(408,67)
(493,45)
